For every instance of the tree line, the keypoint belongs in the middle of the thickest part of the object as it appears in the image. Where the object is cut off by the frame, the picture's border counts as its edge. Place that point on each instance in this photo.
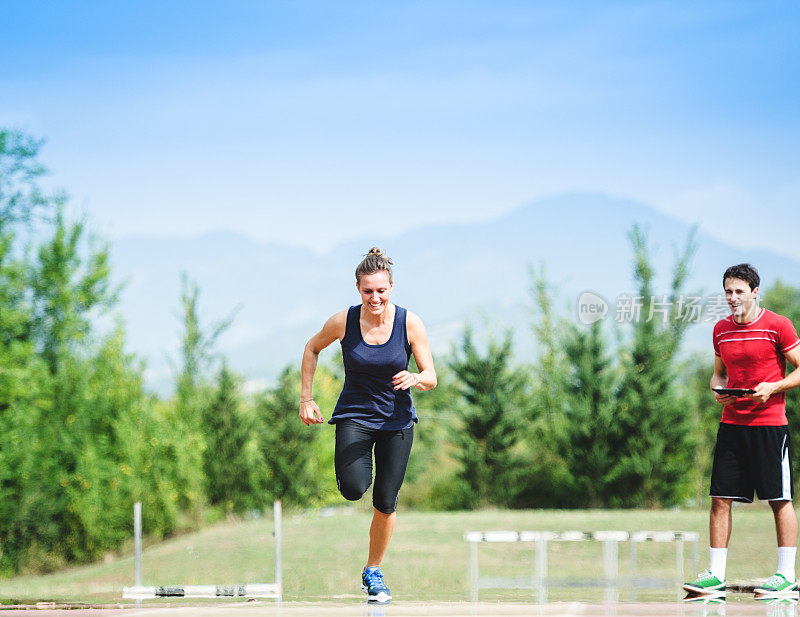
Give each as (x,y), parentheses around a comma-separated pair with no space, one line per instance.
(595,418)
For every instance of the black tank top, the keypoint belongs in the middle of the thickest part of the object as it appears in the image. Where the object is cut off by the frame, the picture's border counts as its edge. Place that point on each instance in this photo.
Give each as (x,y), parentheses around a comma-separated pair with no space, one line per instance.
(368,396)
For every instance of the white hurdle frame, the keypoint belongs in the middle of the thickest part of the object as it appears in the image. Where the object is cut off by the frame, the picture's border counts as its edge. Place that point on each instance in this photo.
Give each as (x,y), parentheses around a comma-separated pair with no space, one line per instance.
(257,590)
(611,580)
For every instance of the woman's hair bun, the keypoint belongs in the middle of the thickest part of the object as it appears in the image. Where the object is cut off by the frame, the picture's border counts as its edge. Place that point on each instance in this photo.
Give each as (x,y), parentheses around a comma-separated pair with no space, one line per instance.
(374,261)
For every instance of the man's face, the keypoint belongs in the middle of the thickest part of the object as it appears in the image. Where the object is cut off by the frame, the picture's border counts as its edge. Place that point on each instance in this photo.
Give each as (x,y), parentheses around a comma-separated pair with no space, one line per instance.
(741,299)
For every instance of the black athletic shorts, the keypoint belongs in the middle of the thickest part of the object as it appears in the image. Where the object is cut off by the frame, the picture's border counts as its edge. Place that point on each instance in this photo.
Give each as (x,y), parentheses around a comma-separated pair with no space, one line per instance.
(353,462)
(752,458)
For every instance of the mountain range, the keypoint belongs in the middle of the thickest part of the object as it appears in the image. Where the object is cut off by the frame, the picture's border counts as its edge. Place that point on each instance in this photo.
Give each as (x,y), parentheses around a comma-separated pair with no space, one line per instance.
(449,274)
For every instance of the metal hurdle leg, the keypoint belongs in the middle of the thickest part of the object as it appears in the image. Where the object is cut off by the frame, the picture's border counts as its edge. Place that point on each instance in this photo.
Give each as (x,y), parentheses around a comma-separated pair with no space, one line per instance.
(680,539)
(473,571)
(611,540)
(540,576)
(610,554)
(611,569)
(692,538)
(267,590)
(632,570)
(137,543)
(679,564)
(277,516)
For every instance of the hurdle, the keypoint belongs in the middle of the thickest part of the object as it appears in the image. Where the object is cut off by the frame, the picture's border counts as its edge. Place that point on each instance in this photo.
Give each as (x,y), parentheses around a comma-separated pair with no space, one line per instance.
(538,582)
(257,590)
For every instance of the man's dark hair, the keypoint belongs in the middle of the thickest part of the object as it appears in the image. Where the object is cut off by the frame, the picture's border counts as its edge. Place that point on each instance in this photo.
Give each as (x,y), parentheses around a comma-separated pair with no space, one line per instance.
(745,272)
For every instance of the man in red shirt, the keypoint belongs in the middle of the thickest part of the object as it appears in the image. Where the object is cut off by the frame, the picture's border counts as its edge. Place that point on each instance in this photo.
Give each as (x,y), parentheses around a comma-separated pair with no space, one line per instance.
(751,348)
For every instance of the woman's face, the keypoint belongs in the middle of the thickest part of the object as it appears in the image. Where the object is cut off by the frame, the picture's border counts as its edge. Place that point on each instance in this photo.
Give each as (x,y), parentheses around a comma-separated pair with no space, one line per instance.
(375,290)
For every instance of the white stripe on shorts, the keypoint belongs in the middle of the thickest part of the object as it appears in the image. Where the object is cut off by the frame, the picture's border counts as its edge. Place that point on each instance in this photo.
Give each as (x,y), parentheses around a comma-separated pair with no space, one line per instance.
(786,472)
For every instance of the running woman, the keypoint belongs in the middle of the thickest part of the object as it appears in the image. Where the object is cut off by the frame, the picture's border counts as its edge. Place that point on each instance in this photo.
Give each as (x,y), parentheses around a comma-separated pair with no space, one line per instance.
(374,410)
(751,348)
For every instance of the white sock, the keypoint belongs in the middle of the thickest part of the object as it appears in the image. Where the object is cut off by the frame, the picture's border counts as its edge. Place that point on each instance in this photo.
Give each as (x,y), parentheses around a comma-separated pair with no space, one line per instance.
(719,557)
(786,555)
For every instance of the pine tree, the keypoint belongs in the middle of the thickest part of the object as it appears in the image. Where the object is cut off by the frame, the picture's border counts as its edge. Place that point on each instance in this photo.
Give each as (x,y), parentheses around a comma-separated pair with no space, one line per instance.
(21,196)
(230,460)
(569,455)
(194,394)
(430,482)
(289,449)
(492,392)
(590,391)
(655,441)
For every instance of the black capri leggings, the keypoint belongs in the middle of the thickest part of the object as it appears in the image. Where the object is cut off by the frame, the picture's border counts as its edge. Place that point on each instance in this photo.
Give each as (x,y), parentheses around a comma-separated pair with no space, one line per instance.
(353,462)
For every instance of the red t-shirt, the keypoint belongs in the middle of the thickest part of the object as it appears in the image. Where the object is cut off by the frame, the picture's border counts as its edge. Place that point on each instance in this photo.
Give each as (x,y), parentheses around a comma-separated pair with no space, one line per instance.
(753,352)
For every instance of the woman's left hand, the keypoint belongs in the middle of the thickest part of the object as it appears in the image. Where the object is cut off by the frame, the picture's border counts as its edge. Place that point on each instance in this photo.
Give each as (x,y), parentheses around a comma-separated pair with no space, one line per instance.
(405,380)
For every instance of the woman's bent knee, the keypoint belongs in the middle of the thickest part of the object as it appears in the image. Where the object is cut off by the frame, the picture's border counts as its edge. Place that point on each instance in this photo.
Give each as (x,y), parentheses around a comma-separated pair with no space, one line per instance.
(353,491)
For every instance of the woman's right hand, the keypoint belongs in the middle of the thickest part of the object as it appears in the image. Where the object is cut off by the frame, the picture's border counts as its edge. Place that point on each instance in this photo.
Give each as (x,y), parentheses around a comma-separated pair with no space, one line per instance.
(310,413)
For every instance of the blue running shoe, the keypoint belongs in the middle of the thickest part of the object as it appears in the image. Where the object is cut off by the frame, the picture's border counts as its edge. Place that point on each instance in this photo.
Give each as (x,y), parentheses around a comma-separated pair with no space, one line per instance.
(372,583)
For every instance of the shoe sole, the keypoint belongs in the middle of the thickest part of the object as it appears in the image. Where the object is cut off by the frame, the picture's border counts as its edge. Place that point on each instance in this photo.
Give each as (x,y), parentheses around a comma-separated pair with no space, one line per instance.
(705,591)
(771,593)
(379,598)
(704,599)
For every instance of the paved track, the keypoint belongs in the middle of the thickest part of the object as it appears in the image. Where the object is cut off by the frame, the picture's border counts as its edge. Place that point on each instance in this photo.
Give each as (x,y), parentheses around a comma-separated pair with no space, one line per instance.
(738,607)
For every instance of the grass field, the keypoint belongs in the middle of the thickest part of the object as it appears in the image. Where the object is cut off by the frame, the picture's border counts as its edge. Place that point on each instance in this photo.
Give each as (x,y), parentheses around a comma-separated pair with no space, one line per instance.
(428,558)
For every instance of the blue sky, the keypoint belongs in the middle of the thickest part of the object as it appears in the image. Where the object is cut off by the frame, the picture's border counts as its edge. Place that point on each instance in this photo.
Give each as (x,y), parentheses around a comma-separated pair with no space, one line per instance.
(308,123)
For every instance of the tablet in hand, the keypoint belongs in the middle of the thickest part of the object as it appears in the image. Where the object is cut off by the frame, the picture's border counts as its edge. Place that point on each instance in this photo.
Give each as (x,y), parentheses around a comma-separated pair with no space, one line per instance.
(734,391)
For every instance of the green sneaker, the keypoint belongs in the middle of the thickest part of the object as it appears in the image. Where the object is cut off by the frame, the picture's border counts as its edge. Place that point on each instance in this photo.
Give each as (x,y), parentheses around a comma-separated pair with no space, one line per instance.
(706,583)
(776,585)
